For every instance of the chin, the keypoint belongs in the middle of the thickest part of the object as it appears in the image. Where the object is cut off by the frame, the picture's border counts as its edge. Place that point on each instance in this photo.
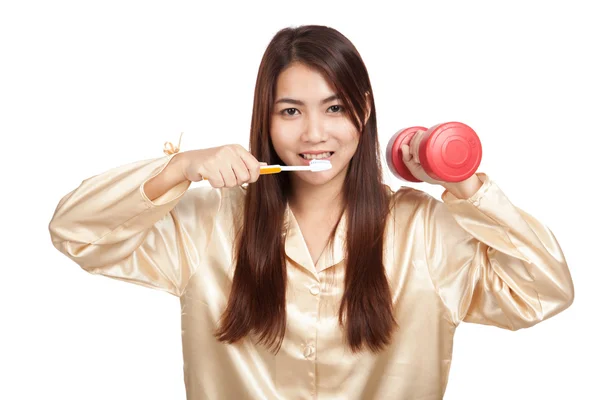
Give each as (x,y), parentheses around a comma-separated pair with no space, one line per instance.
(318,178)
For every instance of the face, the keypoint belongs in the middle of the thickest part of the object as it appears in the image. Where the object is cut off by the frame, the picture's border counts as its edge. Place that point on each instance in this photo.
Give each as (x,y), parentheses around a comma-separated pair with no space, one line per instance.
(309,121)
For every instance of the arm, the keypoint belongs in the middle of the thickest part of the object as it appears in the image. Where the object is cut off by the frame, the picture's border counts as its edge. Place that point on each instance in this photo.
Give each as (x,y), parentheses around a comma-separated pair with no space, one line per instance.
(170,177)
(464,189)
(110,226)
(491,262)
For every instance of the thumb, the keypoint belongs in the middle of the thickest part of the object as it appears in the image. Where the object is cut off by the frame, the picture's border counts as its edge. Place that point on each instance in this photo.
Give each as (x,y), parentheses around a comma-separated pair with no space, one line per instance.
(406,157)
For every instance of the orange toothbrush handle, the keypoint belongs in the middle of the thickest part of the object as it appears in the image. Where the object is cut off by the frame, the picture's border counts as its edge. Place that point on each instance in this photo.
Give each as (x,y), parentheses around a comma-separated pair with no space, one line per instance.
(270,170)
(266,170)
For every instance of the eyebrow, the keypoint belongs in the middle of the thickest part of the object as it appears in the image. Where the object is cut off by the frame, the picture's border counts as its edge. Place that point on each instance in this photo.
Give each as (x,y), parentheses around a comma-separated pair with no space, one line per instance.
(300,103)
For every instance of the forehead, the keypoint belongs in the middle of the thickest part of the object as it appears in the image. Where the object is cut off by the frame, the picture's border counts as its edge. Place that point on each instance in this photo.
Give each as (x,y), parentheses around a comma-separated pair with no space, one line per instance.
(300,82)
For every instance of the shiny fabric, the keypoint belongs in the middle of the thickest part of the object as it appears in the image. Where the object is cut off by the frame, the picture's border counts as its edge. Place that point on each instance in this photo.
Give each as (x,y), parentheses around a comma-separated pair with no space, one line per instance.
(479,260)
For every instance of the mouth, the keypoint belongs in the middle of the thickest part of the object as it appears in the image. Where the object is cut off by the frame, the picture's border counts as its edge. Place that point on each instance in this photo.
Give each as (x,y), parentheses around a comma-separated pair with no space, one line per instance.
(307,157)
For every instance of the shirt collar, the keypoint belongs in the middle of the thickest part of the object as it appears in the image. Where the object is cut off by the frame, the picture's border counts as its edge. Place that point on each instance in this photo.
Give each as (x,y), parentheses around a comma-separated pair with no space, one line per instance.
(297,250)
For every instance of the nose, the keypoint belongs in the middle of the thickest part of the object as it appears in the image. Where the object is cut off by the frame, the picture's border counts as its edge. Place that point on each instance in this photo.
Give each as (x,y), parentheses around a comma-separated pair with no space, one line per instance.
(314,131)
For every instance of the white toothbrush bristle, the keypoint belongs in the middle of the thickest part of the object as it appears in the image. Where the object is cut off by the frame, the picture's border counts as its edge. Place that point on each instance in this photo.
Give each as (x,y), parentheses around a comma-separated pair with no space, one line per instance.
(319,165)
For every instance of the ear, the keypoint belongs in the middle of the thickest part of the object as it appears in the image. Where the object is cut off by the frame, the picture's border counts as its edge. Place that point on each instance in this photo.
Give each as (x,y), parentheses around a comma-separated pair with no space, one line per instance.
(368,103)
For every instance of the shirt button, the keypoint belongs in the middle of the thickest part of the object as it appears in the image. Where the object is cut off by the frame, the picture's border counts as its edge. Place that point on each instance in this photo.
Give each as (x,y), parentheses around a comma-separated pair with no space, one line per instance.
(315,289)
(308,351)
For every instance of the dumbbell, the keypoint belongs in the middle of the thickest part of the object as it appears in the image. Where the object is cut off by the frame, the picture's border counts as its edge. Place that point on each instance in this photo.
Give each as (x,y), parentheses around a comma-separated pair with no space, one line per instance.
(449,152)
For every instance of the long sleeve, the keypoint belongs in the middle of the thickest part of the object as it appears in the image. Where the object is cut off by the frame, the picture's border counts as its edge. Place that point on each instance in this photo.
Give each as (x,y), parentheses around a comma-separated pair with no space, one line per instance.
(492,263)
(108,226)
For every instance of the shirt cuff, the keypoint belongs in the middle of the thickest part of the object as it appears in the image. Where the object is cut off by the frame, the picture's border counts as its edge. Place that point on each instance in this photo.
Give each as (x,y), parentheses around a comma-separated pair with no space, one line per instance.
(476,198)
(171,195)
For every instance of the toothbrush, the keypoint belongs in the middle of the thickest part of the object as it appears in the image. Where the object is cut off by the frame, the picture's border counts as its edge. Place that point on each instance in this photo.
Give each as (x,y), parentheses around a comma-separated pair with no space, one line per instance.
(314,166)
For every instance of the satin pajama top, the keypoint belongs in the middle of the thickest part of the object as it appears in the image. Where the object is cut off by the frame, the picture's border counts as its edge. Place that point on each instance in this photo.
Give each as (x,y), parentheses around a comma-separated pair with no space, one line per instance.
(480,260)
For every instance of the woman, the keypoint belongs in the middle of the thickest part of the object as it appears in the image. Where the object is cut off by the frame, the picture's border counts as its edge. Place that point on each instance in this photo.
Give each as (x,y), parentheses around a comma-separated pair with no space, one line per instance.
(314,284)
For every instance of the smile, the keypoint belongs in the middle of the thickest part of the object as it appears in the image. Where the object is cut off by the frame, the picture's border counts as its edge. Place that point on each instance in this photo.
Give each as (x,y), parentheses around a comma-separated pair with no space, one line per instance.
(317,156)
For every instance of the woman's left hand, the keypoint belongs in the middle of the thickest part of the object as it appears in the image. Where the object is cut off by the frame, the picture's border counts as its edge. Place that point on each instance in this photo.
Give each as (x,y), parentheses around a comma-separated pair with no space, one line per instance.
(410,156)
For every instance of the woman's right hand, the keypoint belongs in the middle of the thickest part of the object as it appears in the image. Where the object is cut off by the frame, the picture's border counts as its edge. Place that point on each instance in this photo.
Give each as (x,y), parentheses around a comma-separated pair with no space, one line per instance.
(224,166)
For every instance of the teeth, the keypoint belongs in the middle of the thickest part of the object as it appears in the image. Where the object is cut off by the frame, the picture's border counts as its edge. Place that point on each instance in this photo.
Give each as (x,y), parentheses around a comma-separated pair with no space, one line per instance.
(316,156)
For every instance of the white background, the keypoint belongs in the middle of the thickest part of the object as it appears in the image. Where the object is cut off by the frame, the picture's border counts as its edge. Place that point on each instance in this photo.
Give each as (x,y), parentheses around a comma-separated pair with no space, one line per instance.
(85,86)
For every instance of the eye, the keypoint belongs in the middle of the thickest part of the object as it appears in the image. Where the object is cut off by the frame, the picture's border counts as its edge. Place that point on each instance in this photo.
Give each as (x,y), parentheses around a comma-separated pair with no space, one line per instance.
(287,111)
(337,108)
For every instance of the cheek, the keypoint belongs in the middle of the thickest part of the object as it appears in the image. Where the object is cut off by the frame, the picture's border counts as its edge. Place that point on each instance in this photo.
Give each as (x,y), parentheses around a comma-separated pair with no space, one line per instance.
(276,134)
(345,132)
(280,142)
(351,141)
(284,136)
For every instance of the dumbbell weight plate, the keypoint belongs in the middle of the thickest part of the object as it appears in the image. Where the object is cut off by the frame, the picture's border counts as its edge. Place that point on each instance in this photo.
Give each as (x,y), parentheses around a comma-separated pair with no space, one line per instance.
(451,152)
(394,153)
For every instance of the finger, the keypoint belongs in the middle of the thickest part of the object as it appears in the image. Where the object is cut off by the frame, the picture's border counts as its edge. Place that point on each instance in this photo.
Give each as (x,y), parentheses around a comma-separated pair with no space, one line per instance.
(253,167)
(216,183)
(408,160)
(241,171)
(415,144)
(406,157)
(229,177)
(216,180)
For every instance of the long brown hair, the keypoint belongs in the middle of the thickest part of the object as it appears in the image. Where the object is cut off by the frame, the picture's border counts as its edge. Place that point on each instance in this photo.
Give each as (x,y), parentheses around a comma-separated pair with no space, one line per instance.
(257,300)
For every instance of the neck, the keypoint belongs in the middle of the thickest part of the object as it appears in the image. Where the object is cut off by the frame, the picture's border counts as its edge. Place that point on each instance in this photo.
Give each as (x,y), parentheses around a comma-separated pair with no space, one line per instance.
(317,200)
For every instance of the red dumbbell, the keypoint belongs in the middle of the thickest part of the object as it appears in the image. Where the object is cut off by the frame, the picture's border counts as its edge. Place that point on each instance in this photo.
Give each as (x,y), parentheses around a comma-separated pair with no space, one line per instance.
(449,152)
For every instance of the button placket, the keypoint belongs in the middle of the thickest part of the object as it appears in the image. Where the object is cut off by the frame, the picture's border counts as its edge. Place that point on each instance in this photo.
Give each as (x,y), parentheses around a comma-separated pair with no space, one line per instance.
(309,351)
(315,289)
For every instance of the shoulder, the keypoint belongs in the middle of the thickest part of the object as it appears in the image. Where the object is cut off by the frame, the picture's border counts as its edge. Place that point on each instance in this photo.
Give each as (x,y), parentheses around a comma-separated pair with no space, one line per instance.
(416,208)
(410,199)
